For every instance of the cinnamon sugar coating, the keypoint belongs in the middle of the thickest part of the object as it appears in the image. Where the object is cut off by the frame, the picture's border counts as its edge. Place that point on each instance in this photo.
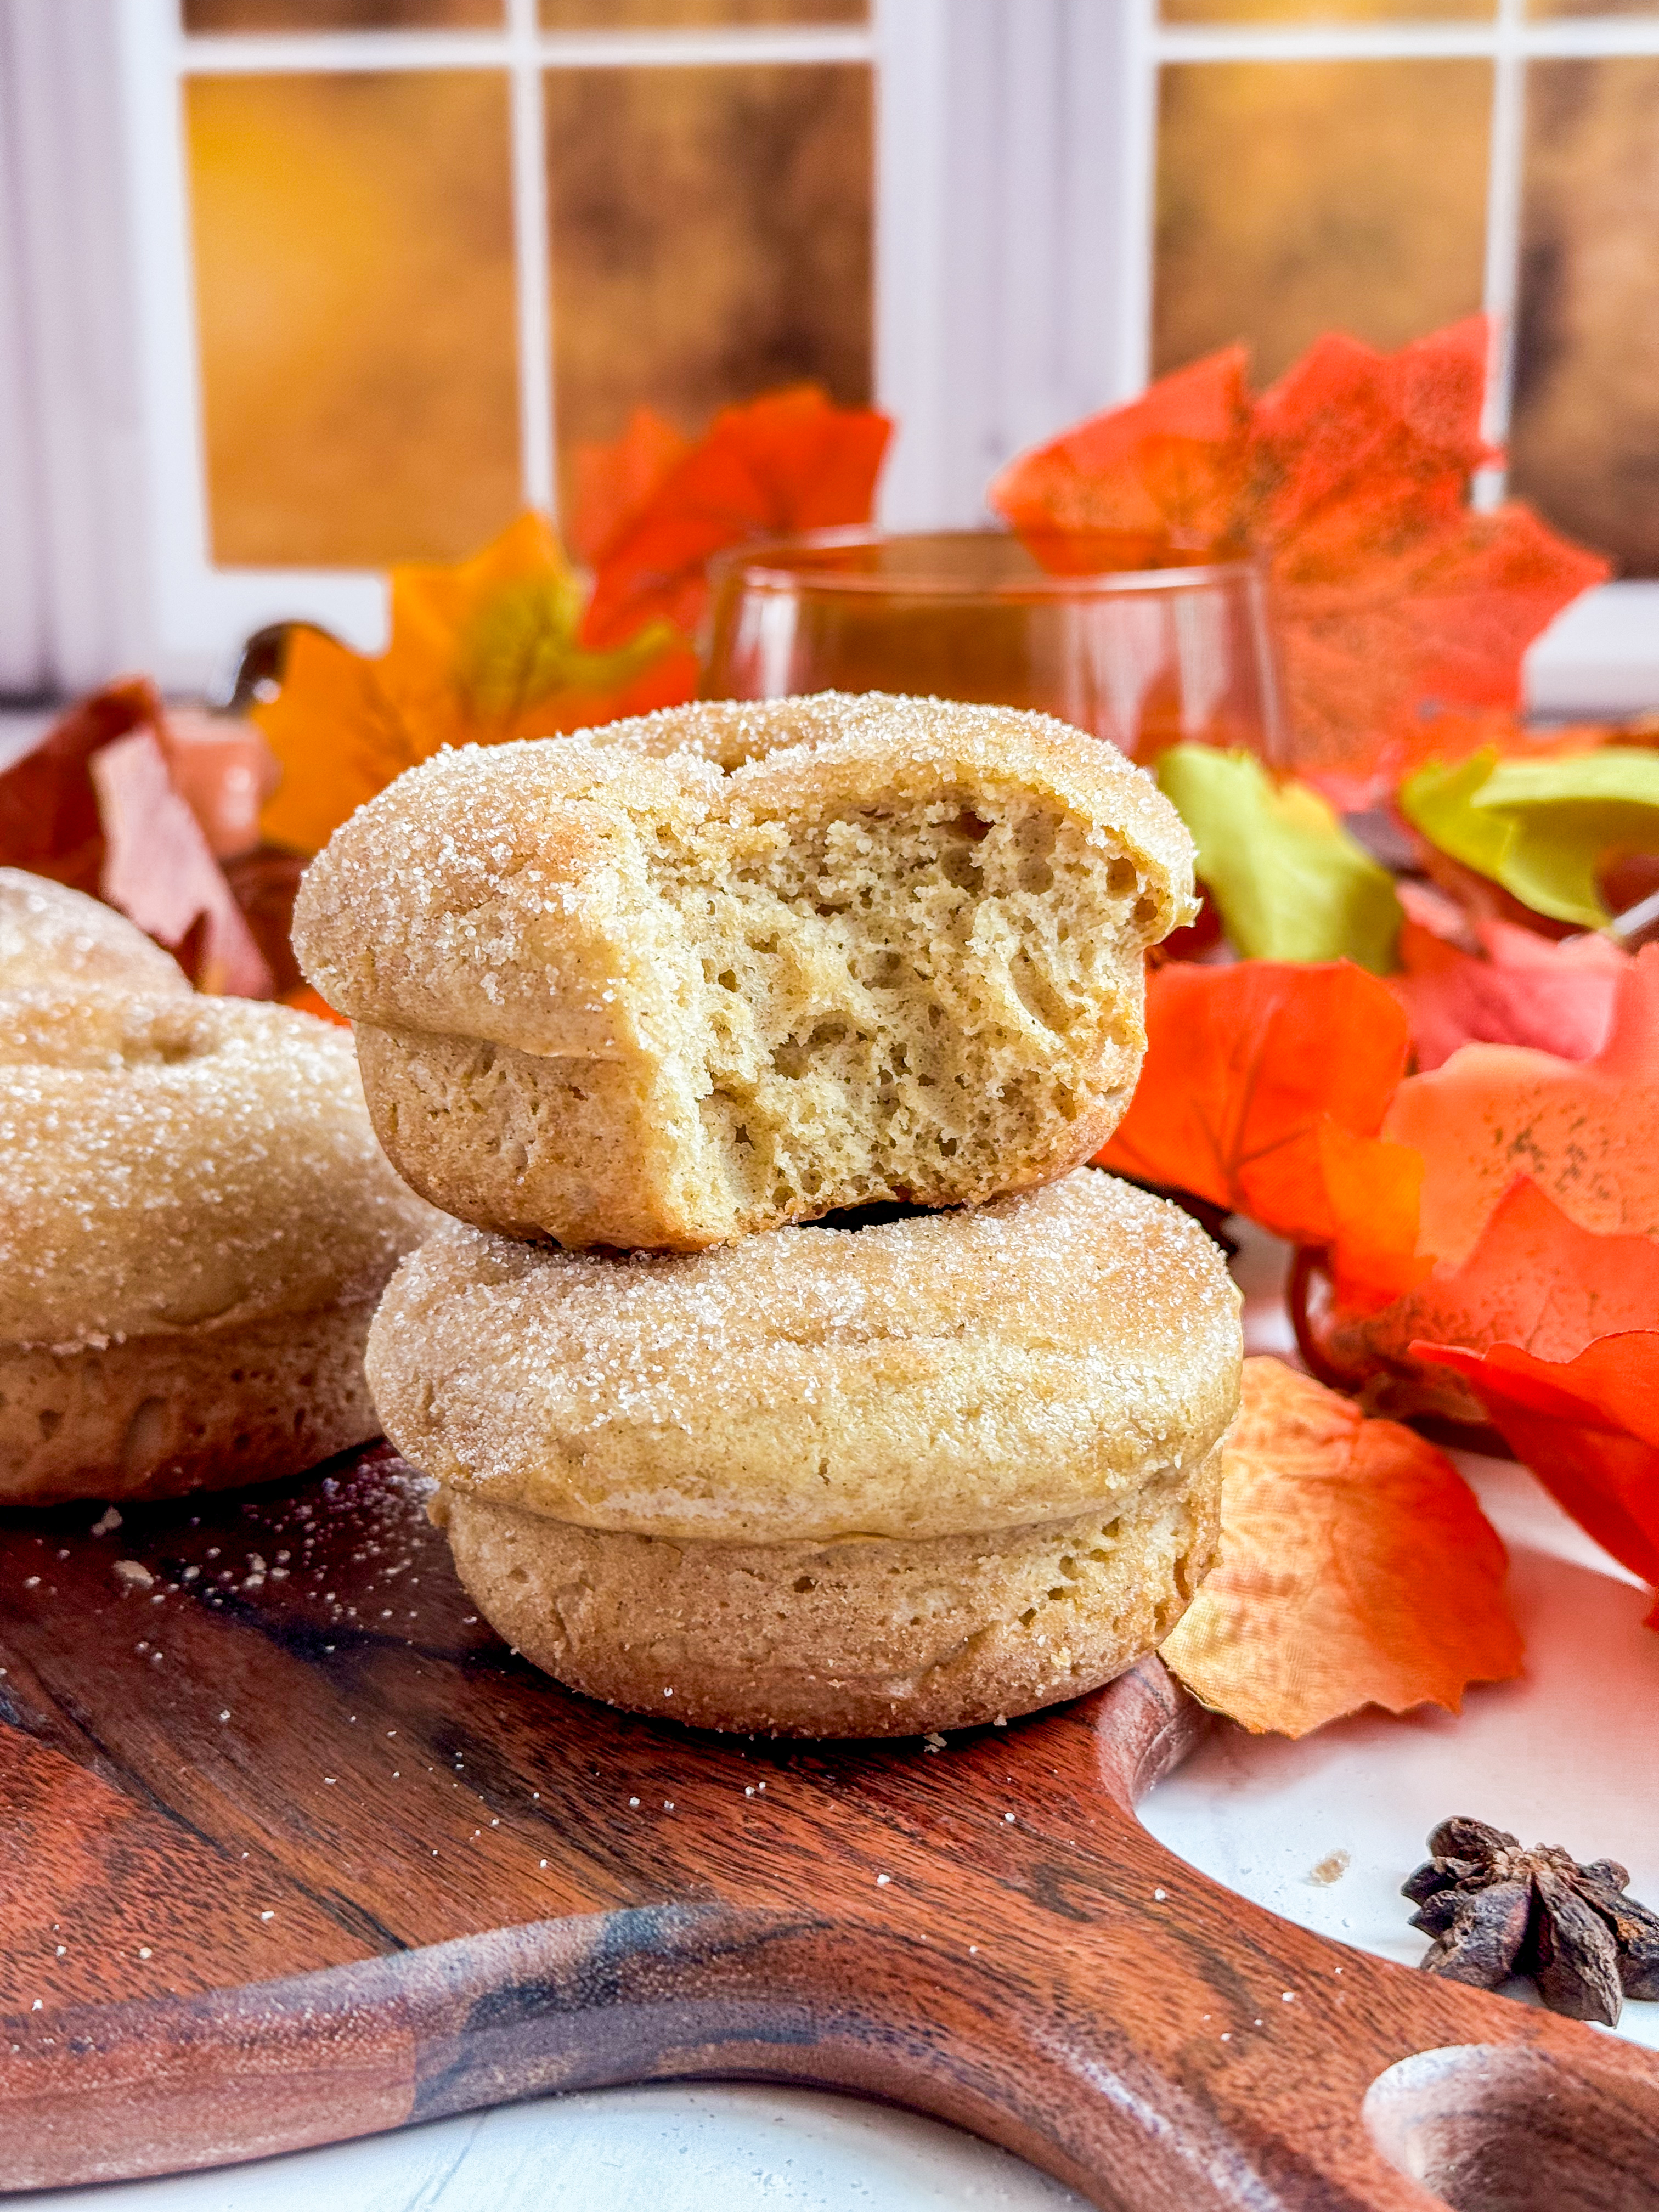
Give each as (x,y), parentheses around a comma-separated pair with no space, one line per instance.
(935,1375)
(669,983)
(60,942)
(195,1219)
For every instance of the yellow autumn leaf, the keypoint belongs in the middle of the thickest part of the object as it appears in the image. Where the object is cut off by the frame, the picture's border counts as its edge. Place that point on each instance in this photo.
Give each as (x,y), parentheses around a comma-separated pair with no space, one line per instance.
(1356,1569)
(484,651)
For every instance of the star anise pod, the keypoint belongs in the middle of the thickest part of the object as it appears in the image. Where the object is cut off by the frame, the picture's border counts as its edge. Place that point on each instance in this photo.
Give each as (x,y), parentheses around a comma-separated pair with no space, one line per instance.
(1495,1910)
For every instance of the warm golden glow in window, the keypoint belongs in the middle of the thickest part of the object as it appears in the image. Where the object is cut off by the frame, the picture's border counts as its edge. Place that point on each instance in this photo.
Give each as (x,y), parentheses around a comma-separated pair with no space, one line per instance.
(355,298)
(711,238)
(1585,441)
(342,14)
(1299,197)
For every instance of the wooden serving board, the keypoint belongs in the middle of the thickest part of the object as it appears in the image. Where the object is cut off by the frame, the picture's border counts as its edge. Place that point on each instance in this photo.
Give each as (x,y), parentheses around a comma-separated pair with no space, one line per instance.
(294,1849)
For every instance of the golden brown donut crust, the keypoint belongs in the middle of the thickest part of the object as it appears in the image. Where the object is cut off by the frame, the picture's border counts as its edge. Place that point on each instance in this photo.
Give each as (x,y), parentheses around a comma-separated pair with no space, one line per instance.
(204,1409)
(195,1219)
(934,1375)
(56,940)
(672,983)
(867,1637)
(170,1163)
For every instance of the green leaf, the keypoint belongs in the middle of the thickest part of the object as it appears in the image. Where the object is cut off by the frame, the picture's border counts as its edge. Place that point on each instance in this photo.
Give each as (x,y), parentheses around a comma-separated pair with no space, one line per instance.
(1541,828)
(1439,800)
(1290,883)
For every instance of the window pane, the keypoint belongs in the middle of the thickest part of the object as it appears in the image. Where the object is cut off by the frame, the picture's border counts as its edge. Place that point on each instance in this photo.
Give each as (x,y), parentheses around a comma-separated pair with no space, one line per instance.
(342,15)
(1323,11)
(711,237)
(657,14)
(1593,7)
(1584,445)
(353,262)
(1300,197)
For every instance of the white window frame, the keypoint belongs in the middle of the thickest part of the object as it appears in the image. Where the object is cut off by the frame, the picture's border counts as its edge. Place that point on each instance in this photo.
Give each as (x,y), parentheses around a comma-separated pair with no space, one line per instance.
(1014,206)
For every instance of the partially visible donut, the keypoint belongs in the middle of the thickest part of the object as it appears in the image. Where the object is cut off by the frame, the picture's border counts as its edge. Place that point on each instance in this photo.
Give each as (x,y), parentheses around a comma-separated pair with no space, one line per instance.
(195,1221)
(59,941)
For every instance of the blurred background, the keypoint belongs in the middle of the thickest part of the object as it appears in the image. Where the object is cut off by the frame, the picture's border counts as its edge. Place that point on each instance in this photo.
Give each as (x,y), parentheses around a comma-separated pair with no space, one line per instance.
(290,290)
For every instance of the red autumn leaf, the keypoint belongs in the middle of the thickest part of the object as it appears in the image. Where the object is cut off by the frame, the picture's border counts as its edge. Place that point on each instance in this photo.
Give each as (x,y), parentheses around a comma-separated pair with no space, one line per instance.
(790,460)
(1588,1428)
(1584,1130)
(224,771)
(1262,1090)
(616,483)
(1357,456)
(159,872)
(1502,985)
(1165,473)
(1350,480)
(1534,1280)
(48,820)
(1443,624)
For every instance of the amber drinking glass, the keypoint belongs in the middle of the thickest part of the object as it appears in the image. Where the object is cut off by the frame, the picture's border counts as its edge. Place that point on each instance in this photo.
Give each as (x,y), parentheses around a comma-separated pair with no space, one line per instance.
(1145,657)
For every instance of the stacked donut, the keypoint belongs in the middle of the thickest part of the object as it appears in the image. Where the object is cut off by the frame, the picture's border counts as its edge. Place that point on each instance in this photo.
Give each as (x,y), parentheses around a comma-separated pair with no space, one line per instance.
(783,1367)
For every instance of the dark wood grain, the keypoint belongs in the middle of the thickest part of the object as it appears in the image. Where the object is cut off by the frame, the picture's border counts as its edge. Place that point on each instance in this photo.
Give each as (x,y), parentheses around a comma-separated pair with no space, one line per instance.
(294,1849)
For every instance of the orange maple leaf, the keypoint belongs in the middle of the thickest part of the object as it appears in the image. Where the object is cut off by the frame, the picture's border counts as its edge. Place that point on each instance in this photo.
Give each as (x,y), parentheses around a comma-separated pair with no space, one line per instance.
(1589,1429)
(1584,1130)
(480,652)
(790,460)
(1263,1088)
(1534,1280)
(1349,480)
(1356,1569)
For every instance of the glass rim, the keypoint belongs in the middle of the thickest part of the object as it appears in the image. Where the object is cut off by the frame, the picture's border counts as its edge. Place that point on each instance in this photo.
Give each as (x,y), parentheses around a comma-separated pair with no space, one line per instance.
(764,564)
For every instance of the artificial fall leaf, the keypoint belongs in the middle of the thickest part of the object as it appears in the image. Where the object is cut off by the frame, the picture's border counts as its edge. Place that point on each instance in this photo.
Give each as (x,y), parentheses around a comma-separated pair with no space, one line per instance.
(1144,483)
(1349,480)
(1541,828)
(615,483)
(790,460)
(1290,883)
(1584,1130)
(1356,1569)
(480,652)
(1534,1280)
(159,872)
(304,1000)
(1262,1090)
(49,821)
(224,771)
(1491,983)
(1589,1429)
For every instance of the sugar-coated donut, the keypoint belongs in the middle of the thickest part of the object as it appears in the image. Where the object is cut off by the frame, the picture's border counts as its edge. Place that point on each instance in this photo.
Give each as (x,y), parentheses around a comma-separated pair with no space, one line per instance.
(60,942)
(666,984)
(870,1636)
(940,1375)
(195,1221)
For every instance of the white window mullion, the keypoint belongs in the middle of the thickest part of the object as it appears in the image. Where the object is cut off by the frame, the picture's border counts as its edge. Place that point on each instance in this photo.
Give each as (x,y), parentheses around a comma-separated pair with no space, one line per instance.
(532,264)
(1138,185)
(25,661)
(1501,287)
